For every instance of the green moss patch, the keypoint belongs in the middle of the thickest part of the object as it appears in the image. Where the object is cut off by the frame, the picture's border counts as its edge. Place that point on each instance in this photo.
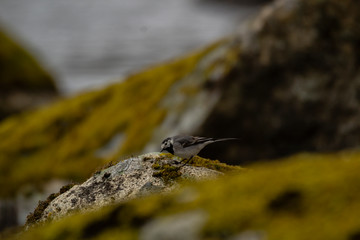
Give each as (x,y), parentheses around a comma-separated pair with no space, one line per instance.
(166,172)
(198,161)
(169,172)
(302,197)
(214,165)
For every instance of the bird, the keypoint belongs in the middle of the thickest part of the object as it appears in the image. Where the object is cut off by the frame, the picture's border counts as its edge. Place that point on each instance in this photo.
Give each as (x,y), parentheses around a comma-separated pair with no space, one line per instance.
(187,147)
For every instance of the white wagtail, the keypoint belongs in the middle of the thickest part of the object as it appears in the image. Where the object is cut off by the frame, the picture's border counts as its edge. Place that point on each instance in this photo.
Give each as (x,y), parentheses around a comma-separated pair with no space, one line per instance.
(187,147)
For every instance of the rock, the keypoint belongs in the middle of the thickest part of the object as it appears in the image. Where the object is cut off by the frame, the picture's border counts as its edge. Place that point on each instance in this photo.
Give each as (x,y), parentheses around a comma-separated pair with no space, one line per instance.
(128,179)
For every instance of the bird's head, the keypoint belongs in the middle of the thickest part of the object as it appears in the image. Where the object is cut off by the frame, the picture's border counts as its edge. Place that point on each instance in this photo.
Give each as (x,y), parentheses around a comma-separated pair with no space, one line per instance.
(167,145)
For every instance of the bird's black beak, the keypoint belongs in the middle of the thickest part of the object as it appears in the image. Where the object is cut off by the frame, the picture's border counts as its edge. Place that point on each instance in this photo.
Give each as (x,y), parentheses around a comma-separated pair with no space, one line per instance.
(164,150)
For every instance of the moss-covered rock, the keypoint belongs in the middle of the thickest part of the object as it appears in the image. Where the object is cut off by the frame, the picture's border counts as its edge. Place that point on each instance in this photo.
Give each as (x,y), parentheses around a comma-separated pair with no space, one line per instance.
(23,82)
(166,171)
(304,197)
(70,138)
(214,164)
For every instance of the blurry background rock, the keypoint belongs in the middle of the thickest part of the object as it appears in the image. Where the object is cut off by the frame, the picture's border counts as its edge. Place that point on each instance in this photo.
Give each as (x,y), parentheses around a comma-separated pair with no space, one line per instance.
(24,84)
(296,86)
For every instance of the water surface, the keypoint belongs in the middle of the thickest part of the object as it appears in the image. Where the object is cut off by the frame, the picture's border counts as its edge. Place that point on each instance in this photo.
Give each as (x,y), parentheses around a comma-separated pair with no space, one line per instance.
(89,43)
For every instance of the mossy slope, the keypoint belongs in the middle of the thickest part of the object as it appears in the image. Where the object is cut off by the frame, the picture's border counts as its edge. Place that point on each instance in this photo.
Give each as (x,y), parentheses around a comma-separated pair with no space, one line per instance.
(19,72)
(62,140)
(304,197)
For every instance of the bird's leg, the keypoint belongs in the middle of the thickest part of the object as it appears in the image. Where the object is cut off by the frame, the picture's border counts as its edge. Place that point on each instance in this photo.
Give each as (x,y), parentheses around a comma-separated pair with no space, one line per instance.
(186,161)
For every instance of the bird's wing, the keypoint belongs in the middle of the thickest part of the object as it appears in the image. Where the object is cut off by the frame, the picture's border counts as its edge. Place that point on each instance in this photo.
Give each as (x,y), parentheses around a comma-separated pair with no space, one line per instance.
(188,141)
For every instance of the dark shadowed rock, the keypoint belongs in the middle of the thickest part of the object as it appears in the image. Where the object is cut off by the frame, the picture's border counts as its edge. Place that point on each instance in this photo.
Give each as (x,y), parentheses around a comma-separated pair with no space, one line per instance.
(297,84)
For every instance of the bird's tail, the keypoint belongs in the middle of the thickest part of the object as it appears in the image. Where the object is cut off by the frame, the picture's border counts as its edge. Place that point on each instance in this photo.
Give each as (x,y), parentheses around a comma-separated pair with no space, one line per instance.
(224,139)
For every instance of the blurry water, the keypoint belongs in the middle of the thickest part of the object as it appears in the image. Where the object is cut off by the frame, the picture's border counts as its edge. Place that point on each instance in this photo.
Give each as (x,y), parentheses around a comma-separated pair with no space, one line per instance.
(88,43)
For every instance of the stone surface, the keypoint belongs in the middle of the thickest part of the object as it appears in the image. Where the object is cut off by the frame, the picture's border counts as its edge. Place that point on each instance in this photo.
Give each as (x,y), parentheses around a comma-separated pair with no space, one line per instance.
(126,180)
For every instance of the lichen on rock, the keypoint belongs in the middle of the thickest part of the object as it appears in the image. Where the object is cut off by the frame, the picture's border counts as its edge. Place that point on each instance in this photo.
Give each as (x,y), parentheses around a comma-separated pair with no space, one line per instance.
(128,179)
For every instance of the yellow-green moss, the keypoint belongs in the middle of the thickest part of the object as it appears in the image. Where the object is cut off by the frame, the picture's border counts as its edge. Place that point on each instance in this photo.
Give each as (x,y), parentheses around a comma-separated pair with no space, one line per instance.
(308,196)
(214,165)
(166,172)
(198,161)
(61,141)
(169,173)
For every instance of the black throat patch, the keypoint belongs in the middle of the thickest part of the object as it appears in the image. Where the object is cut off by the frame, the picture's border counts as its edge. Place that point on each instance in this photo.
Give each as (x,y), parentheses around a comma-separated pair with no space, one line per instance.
(170,149)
